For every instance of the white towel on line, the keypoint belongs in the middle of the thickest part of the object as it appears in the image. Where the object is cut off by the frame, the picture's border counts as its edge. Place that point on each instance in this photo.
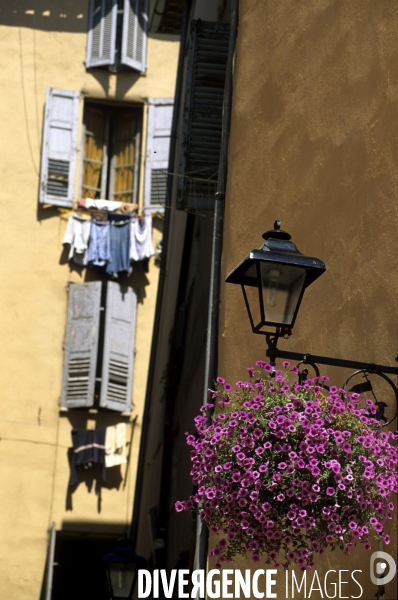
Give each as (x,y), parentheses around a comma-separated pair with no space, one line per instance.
(115,445)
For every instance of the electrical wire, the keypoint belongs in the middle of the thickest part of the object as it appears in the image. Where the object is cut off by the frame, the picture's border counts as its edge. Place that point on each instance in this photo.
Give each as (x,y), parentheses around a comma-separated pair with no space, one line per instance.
(35,80)
(53,477)
(24,103)
(7,439)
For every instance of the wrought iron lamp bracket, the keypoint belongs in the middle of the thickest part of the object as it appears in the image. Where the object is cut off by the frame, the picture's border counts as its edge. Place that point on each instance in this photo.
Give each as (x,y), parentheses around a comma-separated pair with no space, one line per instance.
(359,367)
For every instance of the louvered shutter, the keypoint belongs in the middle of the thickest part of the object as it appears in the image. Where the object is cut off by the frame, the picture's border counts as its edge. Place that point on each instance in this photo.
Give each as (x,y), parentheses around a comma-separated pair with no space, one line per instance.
(81,344)
(202,117)
(134,35)
(101,38)
(59,146)
(160,115)
(118,354)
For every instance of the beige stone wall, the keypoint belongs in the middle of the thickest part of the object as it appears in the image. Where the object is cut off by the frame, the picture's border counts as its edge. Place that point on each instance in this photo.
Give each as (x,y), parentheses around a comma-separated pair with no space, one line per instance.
(314,143)
(41,50)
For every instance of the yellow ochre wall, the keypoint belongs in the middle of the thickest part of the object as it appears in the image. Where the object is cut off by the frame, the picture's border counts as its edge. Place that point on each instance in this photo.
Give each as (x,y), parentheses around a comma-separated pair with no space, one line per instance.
(43,44)
(314,143)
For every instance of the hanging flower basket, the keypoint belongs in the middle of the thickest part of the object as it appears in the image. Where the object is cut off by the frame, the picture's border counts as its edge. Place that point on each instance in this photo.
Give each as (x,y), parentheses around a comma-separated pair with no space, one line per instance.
(288,470)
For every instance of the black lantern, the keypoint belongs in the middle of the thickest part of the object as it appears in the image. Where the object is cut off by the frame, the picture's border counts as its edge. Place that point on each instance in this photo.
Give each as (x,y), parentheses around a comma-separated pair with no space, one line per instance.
(273,280)
(122,566)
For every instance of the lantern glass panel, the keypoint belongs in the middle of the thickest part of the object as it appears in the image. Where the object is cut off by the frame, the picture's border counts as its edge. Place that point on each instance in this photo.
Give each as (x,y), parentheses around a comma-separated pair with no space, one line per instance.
(281,289)
(121,578)
(254,304)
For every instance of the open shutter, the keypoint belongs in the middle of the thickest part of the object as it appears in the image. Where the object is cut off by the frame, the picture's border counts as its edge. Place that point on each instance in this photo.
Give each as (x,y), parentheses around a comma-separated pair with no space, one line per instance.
(160,115)
(202,116)
(118,355)
(81,344)
(58,161)
(134,36)
(101,37)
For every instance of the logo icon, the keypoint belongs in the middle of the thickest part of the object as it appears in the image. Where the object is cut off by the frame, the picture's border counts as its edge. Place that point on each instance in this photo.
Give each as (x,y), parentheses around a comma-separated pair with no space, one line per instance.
(384,560)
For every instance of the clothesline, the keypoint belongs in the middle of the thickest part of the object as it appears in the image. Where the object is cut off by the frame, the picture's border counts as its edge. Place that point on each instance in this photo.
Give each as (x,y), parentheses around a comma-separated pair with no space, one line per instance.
(105,447)
(49,426)
(111,244)
(90,204)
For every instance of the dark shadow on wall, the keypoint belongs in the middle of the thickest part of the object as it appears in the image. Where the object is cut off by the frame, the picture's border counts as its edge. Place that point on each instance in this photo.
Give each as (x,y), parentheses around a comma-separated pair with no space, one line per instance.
(79,571)
(46,15)
(93,477)
(124,82)
(137,279)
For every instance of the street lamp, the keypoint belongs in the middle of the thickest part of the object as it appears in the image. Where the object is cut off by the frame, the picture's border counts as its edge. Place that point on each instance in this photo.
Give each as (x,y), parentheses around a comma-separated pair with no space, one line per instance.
(122,565)
(273,279)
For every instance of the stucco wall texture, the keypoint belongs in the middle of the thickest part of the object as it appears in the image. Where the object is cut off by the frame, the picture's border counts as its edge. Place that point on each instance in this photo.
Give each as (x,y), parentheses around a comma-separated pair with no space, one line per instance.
(314,143)
(40,49)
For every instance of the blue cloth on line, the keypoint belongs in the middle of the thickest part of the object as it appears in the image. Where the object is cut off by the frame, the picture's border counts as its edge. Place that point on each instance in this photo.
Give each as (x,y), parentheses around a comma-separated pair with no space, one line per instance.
(99,245)
(119,247)
(88,449)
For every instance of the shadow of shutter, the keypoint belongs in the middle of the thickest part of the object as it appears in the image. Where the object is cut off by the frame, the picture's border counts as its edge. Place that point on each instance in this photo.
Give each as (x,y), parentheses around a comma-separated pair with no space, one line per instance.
(81,344)
(134,35)
(101,37)
(160,115)
(202,116)
(118,354)
(58,160)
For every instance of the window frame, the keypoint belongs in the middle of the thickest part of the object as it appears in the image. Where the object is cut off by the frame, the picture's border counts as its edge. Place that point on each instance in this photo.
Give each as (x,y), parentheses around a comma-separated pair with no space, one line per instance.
(108,171)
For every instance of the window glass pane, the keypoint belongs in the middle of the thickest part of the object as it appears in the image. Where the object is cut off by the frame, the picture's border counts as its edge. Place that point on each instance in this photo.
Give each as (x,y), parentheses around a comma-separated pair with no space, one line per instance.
(125,133)
(254,304)
(282,286)
(93,157)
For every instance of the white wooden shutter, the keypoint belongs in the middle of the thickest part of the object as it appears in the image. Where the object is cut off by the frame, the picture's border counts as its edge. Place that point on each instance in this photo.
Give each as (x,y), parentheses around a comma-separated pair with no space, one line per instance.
(202,116)
(81,344)
(118,354)
(160,116)
(101,38)
(134,35)
(59,146)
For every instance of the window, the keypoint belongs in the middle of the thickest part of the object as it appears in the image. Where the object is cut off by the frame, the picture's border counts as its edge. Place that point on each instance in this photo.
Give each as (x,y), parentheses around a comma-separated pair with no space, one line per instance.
(99,346)
(78,568)
(166,16)
(111,151)
(117,34)
(110,156)
(202,115)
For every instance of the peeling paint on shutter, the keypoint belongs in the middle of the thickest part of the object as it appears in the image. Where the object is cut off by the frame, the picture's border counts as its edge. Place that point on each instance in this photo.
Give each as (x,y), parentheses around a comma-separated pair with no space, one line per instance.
(134,35)
(118,354)
(101,37)
(202,116)
(81,344)
(58,160)
(160,115)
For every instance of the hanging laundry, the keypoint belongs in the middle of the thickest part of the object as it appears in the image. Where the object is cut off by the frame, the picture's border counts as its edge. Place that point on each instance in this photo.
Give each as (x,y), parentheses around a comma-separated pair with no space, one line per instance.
(119,247)
(77,235)
(88,450)
(99,252)
(111,205)
(115,445)
(141,237)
